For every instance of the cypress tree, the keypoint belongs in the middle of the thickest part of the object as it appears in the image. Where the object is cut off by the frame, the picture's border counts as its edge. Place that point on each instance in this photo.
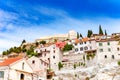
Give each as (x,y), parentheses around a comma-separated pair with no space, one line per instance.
(89,33)
(100,30)
(78,35)
(105,32)
(81,35)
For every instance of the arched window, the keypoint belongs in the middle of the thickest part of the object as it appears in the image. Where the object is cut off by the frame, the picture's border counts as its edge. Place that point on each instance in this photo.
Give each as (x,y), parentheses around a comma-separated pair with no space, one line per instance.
(85,48)
(22,77)
(81,48)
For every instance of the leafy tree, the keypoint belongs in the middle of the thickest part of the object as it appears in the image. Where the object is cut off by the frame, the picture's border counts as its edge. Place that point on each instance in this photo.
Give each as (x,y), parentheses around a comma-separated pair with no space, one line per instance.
(78,36)
(36,43)
(100,30)
(4,53)
(105,32)
(75,66)
(60,65)
(43,42)
(67,47)
(89,33)
(119,63)
(24,41)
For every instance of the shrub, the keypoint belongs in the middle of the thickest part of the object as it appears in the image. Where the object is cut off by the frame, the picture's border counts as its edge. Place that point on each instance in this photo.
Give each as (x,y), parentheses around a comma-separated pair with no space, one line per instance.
(119,63)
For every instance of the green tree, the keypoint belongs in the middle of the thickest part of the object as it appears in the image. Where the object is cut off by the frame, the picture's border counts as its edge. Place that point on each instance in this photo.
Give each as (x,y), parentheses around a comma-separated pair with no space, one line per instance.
(81,35)
(119,63)
(67,47)
(100,30)
(24,41)
(4,53)
(78,36)
(36,43)
(43,42)
(89,33)
(74,66)
(105,32)
(60,65)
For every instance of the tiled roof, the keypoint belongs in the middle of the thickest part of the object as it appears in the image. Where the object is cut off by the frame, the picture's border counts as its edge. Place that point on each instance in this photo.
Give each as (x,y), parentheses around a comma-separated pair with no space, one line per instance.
(85,39)
(9,61)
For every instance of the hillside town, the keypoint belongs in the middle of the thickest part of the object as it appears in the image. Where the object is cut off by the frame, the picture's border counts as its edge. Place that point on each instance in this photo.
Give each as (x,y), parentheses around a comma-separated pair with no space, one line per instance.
(67,56)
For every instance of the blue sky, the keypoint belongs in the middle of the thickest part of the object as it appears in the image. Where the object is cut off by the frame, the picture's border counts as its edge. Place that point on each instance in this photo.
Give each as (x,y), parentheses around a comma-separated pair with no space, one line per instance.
(32,19)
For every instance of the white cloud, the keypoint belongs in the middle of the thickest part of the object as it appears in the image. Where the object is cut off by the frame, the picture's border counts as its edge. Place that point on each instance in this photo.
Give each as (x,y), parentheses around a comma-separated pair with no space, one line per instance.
(15,34)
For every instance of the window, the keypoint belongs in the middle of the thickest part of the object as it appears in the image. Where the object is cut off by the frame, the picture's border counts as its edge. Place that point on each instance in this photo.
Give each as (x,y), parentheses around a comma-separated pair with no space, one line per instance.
(90,47)
(108,43)
(76,49)
(81,48)
(112,56)
(48,59)
(45,50)
(45,54)
(90,42)
(85,48)
(75,44)
(1,74)
(101,50)
(33,62)
(22,77)
(23,65)
(105,56)
(53,57)
(53,51)
(109,49)
(100,44)
(118,49)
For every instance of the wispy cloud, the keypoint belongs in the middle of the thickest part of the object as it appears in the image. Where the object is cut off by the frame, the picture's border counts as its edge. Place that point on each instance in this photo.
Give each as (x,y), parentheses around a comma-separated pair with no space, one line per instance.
(41,21)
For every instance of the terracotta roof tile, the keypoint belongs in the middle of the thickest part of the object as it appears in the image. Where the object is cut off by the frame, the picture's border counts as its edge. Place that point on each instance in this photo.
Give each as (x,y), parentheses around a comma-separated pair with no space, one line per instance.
(85,39)
(9,61)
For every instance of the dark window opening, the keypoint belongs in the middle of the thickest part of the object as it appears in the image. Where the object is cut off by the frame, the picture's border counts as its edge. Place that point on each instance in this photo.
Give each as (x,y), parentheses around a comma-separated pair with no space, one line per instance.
(113,57)
(85,48)
(23,65)
(53,57)
(105,56)
(76,49)
(54,51)
(33,62)
(22,77)
(118,49)
(81,48)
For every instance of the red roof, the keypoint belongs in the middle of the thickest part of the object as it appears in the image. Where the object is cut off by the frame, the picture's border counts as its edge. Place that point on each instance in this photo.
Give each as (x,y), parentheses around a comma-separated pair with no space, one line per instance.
(9,61)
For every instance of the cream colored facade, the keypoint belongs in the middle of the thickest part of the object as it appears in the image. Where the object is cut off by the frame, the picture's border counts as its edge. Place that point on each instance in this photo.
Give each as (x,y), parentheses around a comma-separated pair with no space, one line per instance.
(17,70)
(60,37)
(38,67)
(108,51)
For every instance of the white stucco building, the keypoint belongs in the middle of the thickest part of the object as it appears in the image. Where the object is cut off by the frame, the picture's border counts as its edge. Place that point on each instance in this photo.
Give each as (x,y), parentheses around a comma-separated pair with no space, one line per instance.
(39,67)
(16,69)
(50,54)
(108,50)
(84,44)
